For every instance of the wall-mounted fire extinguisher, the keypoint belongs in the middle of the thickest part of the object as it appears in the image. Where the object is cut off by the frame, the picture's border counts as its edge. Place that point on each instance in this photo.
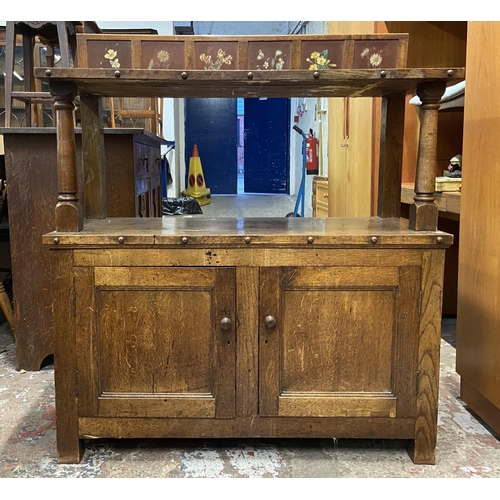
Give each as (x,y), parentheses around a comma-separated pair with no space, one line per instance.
(312,147)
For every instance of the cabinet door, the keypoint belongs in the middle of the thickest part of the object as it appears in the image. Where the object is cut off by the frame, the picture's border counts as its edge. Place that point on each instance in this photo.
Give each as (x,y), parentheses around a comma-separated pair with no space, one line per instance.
(155,342)
(344,341)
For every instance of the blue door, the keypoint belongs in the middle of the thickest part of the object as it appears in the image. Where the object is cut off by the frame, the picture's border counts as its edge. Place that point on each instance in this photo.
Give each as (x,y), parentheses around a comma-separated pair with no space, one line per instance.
(267,145)
(211,124)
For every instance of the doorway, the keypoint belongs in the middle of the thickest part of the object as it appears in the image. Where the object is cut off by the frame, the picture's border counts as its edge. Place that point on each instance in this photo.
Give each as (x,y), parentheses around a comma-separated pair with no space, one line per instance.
(244,144)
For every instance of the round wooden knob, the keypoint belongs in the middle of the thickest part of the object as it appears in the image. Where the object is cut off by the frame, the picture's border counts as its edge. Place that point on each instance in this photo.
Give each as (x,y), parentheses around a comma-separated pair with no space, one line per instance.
(184,240)
(247,239)
(121,239)
(325,195)
(439,239)
(117,74)
(374,239)
(184,75)
(316,74)
(55,241)
(226,324)
(449,72)
(250,75)
(48,72)
(310,239)
(383,73)
(270,321)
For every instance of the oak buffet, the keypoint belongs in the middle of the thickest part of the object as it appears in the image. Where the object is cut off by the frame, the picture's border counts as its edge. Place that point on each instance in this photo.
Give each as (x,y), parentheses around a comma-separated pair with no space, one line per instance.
(279,327)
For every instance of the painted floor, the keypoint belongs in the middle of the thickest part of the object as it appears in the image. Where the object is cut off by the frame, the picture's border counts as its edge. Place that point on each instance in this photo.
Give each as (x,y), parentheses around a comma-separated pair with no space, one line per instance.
(465,449)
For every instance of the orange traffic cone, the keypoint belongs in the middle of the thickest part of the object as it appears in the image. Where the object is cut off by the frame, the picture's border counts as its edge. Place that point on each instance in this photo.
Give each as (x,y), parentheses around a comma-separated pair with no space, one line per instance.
(196,180)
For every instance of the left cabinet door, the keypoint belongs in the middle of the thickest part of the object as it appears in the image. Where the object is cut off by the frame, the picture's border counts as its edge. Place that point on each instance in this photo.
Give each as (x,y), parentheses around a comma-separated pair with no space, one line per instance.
(155,341)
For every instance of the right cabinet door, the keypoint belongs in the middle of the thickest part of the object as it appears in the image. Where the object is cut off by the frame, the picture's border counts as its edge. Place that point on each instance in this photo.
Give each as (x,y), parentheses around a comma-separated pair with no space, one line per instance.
(338,341)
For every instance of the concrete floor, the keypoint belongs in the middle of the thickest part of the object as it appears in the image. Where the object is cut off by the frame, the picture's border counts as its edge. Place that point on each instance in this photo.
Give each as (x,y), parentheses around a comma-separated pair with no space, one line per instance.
(466,448)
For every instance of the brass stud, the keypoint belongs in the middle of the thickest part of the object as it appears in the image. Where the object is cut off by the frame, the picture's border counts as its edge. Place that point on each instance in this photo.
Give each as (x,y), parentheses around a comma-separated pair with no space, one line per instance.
(48,72)
(121,239)
(184,240)
(250,75)
(383,73)
(247,239)
(374,239)
(439,239)
(55,241)
(310,239)
(450,72)
(184,75)
(316,74)
(117,74)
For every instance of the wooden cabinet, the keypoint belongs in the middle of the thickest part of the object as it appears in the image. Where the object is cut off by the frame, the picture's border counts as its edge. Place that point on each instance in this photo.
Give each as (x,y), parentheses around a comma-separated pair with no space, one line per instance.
(320,196)
(478,314)
(200,329)
(247,327)
(30,159)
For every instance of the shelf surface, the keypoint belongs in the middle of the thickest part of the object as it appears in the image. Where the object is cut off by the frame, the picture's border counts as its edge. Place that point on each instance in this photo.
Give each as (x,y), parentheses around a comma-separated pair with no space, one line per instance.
(291,83)
(170,230)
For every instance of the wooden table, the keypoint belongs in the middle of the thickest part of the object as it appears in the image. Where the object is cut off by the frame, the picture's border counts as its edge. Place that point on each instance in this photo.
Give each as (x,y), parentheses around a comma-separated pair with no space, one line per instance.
(278,327)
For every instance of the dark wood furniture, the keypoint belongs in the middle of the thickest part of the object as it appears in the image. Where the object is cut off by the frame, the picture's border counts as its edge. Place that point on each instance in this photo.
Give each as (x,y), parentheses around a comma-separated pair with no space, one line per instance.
(132,188)
(281,327)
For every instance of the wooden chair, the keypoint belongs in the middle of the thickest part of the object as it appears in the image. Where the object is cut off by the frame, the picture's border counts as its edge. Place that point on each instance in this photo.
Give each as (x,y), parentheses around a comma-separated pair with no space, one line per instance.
(52,34)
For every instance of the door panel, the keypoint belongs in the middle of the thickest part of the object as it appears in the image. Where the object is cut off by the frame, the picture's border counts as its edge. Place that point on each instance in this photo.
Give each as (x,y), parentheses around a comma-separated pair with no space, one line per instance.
(159,347)
(336,349)
(267,145)
(211,124)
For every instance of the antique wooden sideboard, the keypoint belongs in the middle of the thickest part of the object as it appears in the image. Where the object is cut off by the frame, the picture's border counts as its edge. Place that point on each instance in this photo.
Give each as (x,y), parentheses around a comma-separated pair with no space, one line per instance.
(245,327)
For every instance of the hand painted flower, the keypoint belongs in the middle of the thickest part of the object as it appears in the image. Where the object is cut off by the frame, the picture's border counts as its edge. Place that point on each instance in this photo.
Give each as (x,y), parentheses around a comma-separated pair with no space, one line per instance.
(278,53)
(321,61)
(115,64)
(221,54)
(111,54)
(266,65)
(163,56)
(365,52)
(376,60)
(313,66)
(279,64)
(315,55)
(227,60)
(260,55)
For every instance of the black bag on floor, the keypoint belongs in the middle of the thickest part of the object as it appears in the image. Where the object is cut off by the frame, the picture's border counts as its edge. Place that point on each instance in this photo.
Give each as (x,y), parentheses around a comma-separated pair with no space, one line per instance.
(180,206)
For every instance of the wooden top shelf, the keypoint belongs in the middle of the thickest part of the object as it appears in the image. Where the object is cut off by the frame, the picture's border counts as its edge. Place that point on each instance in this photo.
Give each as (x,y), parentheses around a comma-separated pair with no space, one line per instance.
(327,232)
(292,83)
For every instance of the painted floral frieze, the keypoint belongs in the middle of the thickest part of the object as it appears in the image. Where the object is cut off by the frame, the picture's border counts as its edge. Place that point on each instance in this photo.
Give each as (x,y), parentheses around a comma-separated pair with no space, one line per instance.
(376,55)
(160,61)
(112,56)
(216,64)
(273,62)
(319,60)
(374,59)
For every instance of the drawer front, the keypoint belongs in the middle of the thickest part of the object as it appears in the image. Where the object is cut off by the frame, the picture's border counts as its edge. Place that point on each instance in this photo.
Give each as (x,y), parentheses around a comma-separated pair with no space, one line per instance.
(321,210)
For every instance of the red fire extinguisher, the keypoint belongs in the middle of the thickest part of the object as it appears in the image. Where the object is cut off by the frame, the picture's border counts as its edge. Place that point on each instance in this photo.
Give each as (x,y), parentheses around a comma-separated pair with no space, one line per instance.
(312,147)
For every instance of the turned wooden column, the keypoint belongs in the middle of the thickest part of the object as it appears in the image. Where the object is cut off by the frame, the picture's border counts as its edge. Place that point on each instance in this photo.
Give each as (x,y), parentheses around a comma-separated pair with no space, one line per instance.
(424,212)
(69,212)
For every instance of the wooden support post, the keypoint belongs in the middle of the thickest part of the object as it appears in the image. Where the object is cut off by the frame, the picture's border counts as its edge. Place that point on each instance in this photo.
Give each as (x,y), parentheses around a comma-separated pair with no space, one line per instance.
(424,212)
(69,213)
(93,157)
(391,155)
(10,55)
